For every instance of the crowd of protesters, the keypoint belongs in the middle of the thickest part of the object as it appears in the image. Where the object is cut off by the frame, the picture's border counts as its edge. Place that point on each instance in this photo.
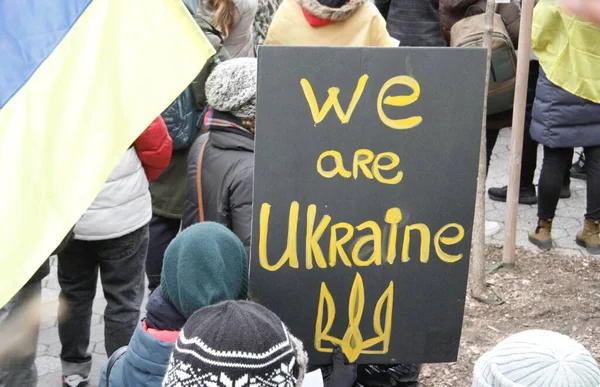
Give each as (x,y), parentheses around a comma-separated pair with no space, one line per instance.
(180,215)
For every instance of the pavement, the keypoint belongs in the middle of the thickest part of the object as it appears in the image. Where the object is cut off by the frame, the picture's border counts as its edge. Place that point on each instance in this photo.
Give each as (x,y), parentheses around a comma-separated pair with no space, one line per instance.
(567,223)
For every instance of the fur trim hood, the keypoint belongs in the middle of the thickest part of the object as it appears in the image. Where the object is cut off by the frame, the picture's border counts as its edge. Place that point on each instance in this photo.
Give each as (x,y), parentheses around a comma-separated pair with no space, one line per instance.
(315,8)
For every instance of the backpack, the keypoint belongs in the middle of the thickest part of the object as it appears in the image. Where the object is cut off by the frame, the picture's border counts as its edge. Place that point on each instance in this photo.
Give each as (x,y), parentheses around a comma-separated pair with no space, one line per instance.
(183,120)
(216,39)
(183,117)
(469,33)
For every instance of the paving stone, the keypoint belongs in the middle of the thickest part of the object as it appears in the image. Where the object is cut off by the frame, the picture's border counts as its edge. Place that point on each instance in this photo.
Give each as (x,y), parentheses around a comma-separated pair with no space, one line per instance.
(48,336)
(99,348)
(97,333)
(50,380)
(42,350)
(47,364)
(48,322)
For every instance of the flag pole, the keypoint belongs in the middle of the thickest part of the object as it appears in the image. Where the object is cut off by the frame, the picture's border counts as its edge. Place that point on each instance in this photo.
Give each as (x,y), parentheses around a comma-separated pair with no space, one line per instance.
(518,123)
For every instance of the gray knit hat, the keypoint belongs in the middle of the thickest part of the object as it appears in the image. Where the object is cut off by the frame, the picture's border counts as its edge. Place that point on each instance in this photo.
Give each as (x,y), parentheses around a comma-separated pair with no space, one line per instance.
(537,358)
(231,87)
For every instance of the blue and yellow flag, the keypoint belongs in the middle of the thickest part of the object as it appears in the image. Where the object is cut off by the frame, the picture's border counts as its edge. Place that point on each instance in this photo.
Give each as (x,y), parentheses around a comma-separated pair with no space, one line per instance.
(79,81)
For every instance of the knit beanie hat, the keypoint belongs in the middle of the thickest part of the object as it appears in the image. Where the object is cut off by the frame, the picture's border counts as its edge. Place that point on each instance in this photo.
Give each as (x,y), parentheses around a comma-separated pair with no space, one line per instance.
(537,358)
(204,265)
(236,343)
(231,87)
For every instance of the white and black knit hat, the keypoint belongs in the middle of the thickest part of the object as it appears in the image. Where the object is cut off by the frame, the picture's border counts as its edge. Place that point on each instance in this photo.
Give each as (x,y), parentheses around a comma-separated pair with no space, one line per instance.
(236,344)
(231,87)
(537,358)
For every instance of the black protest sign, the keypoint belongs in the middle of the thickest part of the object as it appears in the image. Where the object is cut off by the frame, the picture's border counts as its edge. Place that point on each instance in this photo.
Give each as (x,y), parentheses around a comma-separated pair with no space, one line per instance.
(364,194)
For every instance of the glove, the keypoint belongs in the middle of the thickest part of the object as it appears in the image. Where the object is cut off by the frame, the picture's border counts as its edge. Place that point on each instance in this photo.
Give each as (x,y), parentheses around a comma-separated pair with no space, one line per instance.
(342,375)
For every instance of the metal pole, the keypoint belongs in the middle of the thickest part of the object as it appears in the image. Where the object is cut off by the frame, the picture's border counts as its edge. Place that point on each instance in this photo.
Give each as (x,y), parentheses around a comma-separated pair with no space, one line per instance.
(518,123)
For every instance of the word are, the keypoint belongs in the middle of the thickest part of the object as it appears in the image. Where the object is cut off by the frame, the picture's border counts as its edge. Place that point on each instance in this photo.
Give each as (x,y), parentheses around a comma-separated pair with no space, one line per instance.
(385,161)
(332,101)
(342,233)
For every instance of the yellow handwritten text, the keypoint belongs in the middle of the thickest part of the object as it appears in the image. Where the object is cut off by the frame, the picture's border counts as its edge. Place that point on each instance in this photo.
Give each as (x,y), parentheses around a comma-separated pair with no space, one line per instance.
(332,101)
(365,163)
(352,250)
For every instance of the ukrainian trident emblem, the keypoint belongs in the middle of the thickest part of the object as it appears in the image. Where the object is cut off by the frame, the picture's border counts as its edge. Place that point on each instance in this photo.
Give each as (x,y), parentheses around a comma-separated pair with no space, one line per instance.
(352,343)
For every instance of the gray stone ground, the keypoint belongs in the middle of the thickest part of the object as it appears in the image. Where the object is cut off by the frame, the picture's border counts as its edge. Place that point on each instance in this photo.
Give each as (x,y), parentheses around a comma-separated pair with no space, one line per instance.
(568,222)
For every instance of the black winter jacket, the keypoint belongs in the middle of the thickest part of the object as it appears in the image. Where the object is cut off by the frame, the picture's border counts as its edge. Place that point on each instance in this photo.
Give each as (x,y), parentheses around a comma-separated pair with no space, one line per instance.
(227,176)
(413,22)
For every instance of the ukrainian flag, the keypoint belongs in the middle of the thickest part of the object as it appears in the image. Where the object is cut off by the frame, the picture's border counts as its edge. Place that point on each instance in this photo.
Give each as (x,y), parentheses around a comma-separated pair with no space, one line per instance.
(79,81)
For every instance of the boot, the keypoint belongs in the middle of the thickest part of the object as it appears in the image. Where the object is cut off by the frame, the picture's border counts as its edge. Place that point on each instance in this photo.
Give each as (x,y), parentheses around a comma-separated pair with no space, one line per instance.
(589,237)
(526,194)
(541,236)
(579,169)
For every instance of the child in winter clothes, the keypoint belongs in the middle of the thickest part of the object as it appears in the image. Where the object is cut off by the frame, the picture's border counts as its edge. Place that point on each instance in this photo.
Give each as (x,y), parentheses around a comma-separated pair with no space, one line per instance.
(537,358)
(203,265)
(328,23)
(111,237)
(236,343)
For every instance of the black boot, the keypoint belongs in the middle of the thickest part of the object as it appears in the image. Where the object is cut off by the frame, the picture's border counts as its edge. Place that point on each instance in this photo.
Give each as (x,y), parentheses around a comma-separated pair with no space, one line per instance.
(579,169)
(526,194)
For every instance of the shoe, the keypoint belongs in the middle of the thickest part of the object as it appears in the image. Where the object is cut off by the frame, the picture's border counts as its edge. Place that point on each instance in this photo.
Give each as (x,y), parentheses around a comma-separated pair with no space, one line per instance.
(565,192)
(491,228)
(75,381)
(541,236)
(526,194)
(579,169)
(589,237)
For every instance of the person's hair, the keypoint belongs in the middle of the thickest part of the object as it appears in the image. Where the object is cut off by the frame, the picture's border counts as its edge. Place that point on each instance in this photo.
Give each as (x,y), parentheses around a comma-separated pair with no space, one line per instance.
(224,15)
(250,124)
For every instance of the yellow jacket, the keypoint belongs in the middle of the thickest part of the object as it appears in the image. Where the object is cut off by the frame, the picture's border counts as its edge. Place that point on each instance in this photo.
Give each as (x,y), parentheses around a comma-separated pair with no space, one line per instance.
(357,23)
(568,50)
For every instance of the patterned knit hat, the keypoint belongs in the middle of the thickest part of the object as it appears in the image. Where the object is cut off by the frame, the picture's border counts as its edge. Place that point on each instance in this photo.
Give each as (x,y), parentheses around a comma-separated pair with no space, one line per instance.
(204,265)
(537,358)
(236,344)
(231,87)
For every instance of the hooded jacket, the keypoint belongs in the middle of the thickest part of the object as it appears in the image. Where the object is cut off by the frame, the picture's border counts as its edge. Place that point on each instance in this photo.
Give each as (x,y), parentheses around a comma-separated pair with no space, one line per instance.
(146,360)
(124,205)
(309,23)
(226,175)
(566,111)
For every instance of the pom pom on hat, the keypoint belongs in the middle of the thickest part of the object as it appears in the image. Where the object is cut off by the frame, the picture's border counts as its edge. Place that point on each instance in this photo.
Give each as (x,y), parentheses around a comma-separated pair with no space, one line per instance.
(537,358)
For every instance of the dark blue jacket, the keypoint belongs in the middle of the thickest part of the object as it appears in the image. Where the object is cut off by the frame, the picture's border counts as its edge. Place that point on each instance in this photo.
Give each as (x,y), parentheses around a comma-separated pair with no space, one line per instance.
(143,365)
(563,120)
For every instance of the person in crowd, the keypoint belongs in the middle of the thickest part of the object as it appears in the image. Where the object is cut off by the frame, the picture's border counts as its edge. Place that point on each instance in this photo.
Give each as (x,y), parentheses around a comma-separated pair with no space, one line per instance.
(236,343)
(566,114)
(537,358)
(234,19)
(584,9)
(168,191)
(18,367)
(111,237)
(221,162)
(264,14)
(527,192)
(328,23)
(204,265)
(413,23)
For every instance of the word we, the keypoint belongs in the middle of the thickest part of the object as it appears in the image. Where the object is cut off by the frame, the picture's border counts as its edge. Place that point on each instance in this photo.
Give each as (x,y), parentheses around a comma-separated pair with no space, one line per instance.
(332,101)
